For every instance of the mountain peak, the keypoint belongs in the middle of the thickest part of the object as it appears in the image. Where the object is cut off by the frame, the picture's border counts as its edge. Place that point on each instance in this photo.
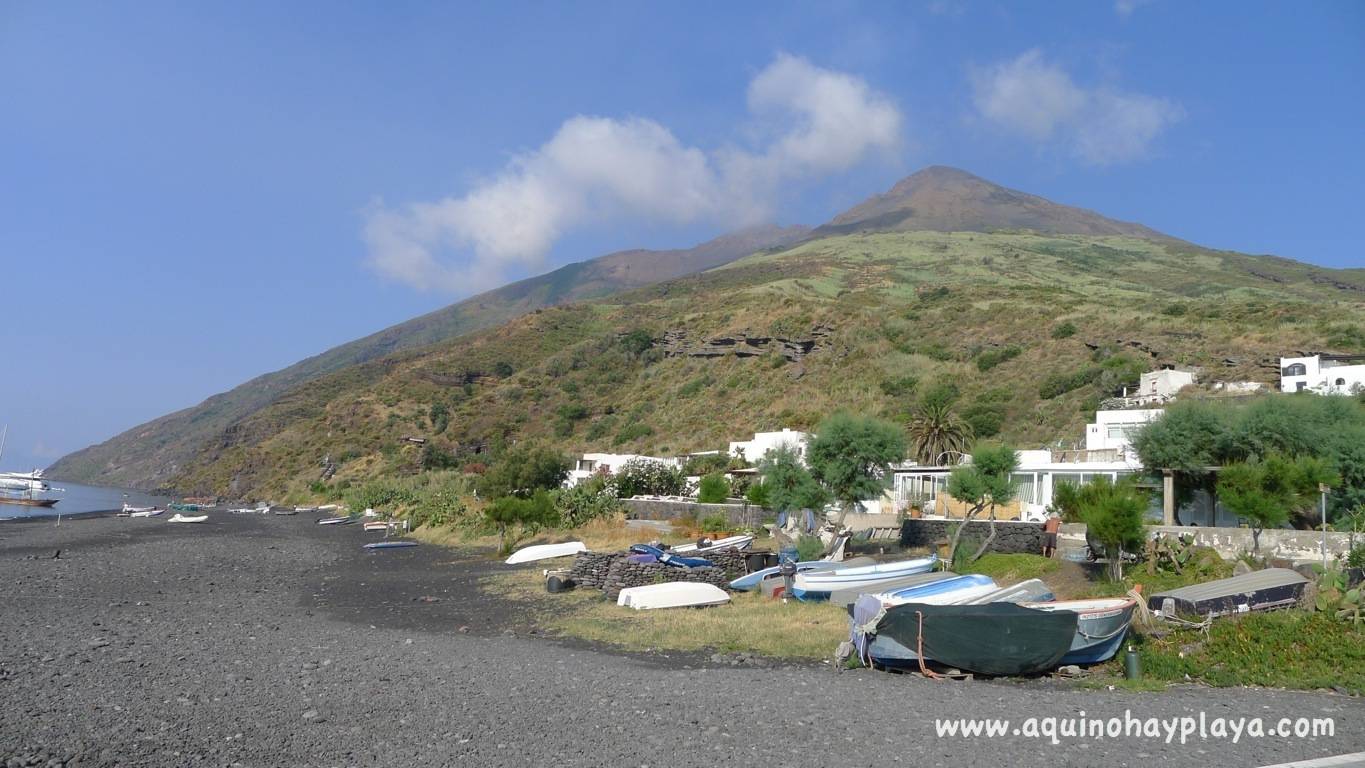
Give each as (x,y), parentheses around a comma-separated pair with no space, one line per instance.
(945,199)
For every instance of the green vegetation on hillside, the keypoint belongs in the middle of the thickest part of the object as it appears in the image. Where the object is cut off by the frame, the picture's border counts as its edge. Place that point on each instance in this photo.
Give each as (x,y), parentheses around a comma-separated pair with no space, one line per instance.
(900,314)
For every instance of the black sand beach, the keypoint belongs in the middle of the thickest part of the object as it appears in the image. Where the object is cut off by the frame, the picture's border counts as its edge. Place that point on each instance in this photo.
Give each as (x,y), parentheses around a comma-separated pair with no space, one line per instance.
(270,641)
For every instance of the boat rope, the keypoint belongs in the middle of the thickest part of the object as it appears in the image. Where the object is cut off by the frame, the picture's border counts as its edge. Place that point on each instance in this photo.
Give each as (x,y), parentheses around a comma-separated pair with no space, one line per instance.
(919,650)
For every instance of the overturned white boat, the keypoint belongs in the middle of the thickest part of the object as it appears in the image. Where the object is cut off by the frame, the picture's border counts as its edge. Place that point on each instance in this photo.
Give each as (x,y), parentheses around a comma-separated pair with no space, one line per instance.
(179,518)
(546,552)
(673,594)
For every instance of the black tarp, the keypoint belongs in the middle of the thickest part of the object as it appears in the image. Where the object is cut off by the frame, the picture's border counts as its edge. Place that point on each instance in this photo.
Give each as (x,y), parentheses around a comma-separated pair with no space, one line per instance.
(990,639)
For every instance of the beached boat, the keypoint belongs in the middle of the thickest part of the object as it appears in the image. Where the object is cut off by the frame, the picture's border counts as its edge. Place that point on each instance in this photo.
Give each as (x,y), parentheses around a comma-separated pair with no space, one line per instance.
(668,558)
(990,639)
(1023,593)
(546,552)
(673,594)
(129,509)
(1101,626)
(334,521)
(379,525)
(186,507)
(845,598)
(1256,591)
(28,501)
(752,580)
(179,518)
(954,591)
(817,585)
(146,512)
(329,507)
(701,548)
(286,511)
(390,544)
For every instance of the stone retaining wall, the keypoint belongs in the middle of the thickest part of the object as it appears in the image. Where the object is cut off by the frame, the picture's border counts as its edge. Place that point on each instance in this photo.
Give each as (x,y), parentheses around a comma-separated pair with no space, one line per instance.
(658,509)
(1011,537)
(612,571)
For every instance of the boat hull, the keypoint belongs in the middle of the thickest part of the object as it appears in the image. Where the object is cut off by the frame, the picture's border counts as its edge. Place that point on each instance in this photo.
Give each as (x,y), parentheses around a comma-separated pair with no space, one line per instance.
(819,584)
(1000,639)
(29,502)
(1101,626)
(1262,590)
(673,594)
(545,552)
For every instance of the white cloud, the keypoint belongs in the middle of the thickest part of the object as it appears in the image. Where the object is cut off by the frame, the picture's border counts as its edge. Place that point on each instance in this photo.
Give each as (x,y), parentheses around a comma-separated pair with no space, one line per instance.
(1125,8)
(595,169)
(1039,100)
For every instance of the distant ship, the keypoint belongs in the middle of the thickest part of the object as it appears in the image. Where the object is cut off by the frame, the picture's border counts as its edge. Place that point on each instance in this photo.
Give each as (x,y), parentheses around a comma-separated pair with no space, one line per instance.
(20,487)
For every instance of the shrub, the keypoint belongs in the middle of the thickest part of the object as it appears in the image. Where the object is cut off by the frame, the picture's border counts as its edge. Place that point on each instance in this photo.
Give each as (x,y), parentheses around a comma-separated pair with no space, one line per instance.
(809,547)
(523,470)
(592,499)
(440,418)
(993,357)
(715,524)
(707,463)
(714,489)
(632,432)
(899,387)
(503,369)
(1064,330)
(642,477)
(1060,383)
(436,458)
(517,517)
(757,495)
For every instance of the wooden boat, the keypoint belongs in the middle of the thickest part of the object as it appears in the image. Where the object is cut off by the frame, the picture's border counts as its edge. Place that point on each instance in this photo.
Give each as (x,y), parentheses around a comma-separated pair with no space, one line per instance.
(1030,592)
(28,501)
(990,639)
(1256,591)
(957,590)
(1101,626)
(845,598)
(817,585)
(546,552)
(391,544)
(179,518)
(732,542)
(673,594)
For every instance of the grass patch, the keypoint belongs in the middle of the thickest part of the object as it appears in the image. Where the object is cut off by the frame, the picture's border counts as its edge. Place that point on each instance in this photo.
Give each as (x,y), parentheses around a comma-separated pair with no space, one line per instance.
(1281,649)
(1008,569)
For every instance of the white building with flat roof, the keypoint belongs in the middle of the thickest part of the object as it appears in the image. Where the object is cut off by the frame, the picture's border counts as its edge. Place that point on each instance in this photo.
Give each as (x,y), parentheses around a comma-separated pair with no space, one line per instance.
(754,450)
(1323,374)
(1114,430)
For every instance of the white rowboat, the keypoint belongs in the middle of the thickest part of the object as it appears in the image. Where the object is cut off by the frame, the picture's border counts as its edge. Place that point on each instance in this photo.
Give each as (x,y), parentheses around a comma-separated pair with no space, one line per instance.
(545,552)
(674,594)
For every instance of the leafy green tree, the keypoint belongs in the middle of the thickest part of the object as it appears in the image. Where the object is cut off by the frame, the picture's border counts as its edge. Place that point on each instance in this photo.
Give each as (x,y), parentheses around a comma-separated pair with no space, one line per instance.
(516,517)
(713,489)
(983,483)
(642,477)
(936,433)
(757,495)
(1268,491)
(789,484)
(851,456)
(440,417)
(1112,513)
(523,470)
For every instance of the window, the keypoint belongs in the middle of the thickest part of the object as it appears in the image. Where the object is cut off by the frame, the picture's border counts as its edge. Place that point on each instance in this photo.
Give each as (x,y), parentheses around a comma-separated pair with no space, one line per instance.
(1341,382)
(586,465)
(1025,487)
(1296,369)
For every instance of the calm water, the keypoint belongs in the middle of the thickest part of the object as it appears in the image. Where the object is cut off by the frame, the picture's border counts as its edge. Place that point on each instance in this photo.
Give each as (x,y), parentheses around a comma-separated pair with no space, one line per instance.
(76,498)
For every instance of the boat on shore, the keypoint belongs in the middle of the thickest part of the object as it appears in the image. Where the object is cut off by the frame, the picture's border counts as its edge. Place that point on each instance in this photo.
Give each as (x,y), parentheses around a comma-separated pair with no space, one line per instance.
(702,547)
(818,585)
(179,518)
(1262,590)
(1101,625)
(845,598)
(996,639)
(1024,593)
(398,544)
(955,591)
(146,512)
(545,552)
(673,594)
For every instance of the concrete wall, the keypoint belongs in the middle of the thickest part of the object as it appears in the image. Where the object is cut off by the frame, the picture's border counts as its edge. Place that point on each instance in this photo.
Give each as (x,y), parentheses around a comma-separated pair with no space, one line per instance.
(1287,544)
(1010,536)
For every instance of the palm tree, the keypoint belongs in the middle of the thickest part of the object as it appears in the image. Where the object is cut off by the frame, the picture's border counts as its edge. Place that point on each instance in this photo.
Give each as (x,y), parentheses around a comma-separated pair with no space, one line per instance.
(935,431)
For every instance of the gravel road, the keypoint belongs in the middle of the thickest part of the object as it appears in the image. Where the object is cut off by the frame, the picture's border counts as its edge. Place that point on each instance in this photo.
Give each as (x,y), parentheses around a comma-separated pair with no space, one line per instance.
(270,641)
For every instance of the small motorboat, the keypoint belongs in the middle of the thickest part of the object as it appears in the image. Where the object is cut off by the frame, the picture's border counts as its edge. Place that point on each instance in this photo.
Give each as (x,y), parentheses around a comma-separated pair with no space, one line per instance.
(305,509)
(546,552)
(334,521)
(391,544)
(990,639)
(1025,592)
(128,509)
(1100,626)
(147,512)
(817,585)
(179,518)
(955,591)
(702,547)
(1262,590)
(673,594)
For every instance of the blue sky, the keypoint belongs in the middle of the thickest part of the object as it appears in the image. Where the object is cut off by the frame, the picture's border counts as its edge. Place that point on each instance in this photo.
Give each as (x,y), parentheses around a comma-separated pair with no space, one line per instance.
(192,194)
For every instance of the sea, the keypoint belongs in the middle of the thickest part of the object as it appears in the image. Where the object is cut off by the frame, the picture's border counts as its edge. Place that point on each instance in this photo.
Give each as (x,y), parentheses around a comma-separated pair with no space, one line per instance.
(76,498)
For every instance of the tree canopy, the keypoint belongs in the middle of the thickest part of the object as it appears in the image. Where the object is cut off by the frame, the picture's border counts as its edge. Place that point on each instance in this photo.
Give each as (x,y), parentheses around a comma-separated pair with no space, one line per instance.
(1268,491)
(984,482)
(789,484)
(523,470)
(1112,513)
(852,454)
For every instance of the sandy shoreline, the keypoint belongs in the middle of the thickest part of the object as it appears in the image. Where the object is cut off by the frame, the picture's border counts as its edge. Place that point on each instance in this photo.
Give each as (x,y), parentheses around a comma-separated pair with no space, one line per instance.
(268,640)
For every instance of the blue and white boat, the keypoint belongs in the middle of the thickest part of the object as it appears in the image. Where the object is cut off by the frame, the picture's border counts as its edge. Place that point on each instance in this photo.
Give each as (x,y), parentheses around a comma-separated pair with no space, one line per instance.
(753,580)
(816,585)
(1100,627)
(954,591)
(1030,591)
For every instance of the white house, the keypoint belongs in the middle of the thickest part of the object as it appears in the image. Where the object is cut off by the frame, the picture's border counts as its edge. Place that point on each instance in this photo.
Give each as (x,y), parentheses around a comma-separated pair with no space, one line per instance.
(1113,431)
(1038,474)
(1159,386)
(1323,374)
(610,463)
(754,450)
